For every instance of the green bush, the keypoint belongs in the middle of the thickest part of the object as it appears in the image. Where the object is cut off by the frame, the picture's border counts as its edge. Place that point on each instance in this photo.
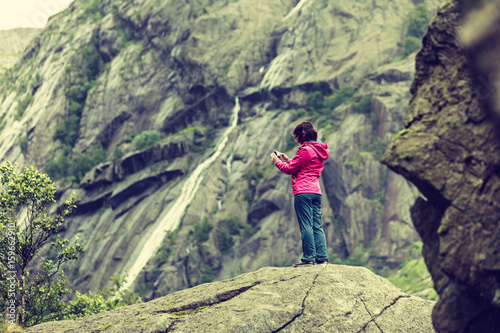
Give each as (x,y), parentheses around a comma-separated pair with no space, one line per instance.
(378,147)
(57,168)
(208,274)
(82,163)
(76,94)
(146,139)
(202,231)
(117,153)
(93,62)
(235,227)
(254,174)
(414,278)
(315,101)
(364,106)
(106,299)
(410,45)
(357,258)
(78,166)
(419,19)
(22,105)
(224,240)
(23,143)
(93,9)
(339,97)
(300,113)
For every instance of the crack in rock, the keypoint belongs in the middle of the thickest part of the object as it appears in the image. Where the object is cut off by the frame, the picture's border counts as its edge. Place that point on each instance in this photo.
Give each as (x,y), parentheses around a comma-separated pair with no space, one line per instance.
(373,319)
(303,305)
(381,312)
(220,298)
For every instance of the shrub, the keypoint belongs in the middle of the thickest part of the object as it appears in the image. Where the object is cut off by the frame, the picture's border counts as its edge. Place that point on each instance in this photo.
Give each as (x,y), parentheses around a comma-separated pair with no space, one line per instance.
(77,93)
(410,45)
(23,143)
(106,299)
(254,174)
(224,239)
(235,226)
(22,105)
(57,168)
(364,106)
(419,19)
(78,166)
(202,231)
(339,97)
(146,139)
(93,62)
(93,9)
(83,163)
(208,274)
(315,101)
(300,113)
(378,147)
(117,153)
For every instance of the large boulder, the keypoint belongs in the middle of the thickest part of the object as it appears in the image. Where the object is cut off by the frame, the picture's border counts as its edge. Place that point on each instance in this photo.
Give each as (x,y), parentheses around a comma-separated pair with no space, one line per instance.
(323,298)
(449,150)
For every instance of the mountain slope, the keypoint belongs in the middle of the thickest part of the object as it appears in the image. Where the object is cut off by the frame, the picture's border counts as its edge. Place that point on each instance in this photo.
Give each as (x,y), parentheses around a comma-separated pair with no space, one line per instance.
(103,73)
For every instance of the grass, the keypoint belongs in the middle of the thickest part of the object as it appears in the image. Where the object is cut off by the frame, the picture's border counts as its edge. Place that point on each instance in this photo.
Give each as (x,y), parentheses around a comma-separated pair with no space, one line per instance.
(414,279)
(191,129)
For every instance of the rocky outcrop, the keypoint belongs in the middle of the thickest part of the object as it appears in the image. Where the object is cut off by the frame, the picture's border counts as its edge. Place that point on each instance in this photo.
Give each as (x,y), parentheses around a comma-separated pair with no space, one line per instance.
(324,298)
(449,150)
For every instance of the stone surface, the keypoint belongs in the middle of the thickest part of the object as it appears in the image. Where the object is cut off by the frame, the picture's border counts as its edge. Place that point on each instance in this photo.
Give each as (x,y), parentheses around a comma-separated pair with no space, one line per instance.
(449,150)
(13,42)
(323,298)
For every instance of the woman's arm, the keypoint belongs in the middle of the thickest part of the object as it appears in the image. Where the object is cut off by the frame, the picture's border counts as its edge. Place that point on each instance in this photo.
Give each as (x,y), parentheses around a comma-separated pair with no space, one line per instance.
(295,164)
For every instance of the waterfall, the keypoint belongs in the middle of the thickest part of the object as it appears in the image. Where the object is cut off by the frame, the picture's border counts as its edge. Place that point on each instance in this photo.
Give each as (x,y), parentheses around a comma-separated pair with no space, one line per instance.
(295,9)
(173,216)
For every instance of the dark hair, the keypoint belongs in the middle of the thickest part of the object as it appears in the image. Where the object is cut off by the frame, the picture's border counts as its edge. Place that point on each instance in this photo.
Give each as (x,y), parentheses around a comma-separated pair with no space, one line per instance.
(305,132)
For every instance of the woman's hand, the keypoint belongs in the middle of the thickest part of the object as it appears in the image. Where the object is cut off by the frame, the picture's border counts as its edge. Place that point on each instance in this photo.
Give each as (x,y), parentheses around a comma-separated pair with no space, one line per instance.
(274,157)
(284,158)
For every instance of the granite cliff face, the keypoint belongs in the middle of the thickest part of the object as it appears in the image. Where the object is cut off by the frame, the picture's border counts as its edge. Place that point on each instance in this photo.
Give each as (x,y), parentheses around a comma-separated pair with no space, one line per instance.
(13,42)
(104,72)
(324,298)
(449,150)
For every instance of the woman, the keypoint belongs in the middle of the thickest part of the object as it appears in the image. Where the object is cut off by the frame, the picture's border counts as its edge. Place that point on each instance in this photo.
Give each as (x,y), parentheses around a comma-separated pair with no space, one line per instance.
(306,168)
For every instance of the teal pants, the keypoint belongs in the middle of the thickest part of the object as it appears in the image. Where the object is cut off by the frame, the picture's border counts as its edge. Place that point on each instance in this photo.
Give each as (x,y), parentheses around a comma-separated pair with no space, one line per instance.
(308,209)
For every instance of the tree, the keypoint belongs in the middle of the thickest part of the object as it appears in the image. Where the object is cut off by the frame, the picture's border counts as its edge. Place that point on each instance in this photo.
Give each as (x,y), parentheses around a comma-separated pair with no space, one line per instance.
(31,283)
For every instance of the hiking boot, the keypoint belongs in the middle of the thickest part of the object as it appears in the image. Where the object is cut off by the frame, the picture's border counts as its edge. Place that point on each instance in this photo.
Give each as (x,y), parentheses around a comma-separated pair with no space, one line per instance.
(303,263)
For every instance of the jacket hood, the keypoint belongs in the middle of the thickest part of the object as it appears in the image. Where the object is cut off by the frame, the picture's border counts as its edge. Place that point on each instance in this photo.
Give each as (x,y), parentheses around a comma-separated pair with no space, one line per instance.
(320,148)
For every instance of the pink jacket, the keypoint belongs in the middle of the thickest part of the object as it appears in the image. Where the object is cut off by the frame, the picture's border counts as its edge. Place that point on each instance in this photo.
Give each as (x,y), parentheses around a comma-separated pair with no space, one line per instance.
(306,167)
